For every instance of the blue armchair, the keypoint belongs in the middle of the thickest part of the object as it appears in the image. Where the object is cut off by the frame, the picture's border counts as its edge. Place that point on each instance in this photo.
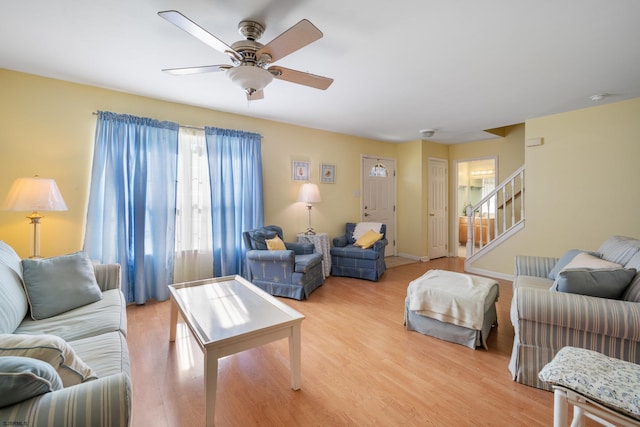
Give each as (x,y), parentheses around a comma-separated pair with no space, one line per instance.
(292,273)
(352,261)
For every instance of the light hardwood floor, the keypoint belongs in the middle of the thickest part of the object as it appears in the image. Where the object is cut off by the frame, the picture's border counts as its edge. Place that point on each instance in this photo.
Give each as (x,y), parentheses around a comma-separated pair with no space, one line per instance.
(360,367)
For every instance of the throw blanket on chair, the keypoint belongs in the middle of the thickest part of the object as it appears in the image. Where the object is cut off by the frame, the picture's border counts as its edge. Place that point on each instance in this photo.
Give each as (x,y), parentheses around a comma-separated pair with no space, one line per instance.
(450,297)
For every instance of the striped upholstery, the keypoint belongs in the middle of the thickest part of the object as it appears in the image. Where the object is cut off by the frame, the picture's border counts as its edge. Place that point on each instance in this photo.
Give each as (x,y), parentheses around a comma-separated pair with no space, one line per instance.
(107,276)
(545,321)
(13,301)
(633,291)
(99,403)
(100,317)
(533,265)
(619,249)
(97,334)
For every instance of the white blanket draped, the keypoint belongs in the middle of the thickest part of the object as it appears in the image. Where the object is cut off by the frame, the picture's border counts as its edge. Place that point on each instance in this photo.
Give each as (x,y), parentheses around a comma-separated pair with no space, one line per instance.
(450,297)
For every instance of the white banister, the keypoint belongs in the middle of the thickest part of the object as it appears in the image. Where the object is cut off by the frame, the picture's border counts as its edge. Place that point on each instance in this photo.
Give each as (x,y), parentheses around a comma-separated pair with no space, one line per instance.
(483,229)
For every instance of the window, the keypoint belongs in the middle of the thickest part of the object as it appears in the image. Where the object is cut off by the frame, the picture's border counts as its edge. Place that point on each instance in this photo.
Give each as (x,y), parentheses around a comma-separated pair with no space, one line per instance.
(379,170)
(194,254)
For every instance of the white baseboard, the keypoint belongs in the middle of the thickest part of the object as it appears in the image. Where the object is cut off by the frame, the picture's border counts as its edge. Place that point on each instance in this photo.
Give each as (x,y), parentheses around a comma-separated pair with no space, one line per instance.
(489,273)
(408,256)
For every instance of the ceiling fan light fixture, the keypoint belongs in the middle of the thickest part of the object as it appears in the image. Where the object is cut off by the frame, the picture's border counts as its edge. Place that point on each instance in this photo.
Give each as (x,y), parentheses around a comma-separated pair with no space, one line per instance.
(250,77)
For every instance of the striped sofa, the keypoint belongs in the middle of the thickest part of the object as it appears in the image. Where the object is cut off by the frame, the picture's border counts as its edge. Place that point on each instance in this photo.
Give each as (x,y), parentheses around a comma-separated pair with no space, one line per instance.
(66,369)
(545,321)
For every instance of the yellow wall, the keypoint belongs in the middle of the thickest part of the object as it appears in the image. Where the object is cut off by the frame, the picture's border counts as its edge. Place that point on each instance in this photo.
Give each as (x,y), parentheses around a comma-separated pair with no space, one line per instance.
(509,151)
(581,184)
(409,212)
(47,128)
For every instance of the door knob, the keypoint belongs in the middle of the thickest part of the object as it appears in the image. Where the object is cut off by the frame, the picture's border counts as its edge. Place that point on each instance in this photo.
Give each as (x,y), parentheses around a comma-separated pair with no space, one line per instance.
(431,214)
(366,214)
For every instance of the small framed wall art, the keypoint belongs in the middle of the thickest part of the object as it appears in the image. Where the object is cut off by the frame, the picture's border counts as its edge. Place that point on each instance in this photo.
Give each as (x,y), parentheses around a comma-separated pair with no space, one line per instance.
(327,173)
(300,171)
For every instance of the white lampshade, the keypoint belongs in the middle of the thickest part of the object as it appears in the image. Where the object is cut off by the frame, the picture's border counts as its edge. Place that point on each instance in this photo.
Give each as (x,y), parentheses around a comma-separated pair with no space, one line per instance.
(250,77)
(309,193)
(34,194)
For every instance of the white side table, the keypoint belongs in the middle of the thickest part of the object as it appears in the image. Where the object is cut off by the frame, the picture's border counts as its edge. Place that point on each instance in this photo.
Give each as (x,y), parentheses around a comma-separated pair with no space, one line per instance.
(321,243)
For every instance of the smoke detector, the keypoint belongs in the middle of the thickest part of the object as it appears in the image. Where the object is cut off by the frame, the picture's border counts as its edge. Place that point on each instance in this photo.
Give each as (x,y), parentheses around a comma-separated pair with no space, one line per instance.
(598,97)
(427,133)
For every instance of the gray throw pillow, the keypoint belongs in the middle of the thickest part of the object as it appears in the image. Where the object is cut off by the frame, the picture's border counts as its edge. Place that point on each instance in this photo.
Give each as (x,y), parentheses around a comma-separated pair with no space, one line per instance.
(22,378)
(602,283)
(59,284)
(565,259)
(260,238)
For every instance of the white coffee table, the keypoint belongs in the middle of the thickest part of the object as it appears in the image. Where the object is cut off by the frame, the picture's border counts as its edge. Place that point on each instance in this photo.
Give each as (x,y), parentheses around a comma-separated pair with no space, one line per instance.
(227,315)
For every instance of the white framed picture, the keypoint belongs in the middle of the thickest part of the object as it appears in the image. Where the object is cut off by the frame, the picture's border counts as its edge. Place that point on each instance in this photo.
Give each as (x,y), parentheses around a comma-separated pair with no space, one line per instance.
(300,171)
(327,173)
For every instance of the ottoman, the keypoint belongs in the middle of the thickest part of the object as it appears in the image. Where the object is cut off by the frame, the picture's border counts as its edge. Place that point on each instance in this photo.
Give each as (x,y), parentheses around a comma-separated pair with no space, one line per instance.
(451,306)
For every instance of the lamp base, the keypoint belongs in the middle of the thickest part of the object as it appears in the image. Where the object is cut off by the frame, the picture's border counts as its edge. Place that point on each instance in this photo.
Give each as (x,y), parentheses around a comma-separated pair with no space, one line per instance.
(35,218)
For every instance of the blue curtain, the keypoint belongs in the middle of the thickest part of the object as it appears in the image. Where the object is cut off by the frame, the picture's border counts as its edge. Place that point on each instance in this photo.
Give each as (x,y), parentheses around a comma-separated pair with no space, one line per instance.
(132,202)
(235,165)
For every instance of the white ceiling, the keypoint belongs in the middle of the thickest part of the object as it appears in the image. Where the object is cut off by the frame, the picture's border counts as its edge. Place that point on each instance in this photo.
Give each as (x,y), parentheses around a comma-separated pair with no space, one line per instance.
(454,65)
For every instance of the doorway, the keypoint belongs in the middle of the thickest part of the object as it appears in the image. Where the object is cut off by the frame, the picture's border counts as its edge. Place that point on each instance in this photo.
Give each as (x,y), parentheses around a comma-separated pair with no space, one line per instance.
(379,196)
(438,200)
(475,179)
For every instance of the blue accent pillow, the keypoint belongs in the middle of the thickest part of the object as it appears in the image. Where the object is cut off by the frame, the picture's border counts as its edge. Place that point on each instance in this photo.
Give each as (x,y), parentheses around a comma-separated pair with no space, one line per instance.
(59,284)
(22,378)
(566,259)
(602,283)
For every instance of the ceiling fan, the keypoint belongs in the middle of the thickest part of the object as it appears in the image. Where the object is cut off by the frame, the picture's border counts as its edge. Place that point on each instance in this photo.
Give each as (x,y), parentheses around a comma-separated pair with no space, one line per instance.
(252,69)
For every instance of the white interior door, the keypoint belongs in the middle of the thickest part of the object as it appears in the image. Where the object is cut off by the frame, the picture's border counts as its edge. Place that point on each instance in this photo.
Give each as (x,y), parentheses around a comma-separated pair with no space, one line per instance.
(379,196)
(438,200)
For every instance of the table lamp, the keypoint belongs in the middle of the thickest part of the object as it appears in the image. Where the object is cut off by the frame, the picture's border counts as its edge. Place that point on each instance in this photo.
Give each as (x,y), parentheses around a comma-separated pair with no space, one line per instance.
(34,194)
(309,193)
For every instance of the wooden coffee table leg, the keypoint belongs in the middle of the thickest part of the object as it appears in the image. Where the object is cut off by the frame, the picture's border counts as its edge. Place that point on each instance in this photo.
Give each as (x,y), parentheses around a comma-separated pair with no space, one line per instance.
(295,356)
(210,386)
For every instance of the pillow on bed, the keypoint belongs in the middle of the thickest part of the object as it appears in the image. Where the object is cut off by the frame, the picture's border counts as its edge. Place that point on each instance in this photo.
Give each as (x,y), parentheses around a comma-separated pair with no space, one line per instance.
(603,283)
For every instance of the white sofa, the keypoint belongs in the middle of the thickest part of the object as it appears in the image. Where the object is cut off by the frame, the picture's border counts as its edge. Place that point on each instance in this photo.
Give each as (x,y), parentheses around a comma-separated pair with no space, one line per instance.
(64,359)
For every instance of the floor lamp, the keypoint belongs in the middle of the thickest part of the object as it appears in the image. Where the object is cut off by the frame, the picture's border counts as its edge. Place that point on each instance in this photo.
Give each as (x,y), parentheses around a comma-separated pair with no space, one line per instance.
(309,194)
(34,194)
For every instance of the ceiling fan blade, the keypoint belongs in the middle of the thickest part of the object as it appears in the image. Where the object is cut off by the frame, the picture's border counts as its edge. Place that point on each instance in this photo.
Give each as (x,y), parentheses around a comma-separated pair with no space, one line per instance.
(258,94)
(296,37)
(301,78)
(186,24)
(196,70)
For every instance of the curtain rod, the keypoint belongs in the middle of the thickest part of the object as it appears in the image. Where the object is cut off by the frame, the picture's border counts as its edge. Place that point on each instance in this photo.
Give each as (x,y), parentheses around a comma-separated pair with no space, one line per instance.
(95,113)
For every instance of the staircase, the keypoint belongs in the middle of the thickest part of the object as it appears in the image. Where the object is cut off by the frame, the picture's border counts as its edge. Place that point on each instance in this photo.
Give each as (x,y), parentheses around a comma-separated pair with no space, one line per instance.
(497,217)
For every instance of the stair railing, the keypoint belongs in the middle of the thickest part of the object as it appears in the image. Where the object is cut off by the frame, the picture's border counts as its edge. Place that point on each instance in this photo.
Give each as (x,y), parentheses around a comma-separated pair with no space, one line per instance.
(497,216)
